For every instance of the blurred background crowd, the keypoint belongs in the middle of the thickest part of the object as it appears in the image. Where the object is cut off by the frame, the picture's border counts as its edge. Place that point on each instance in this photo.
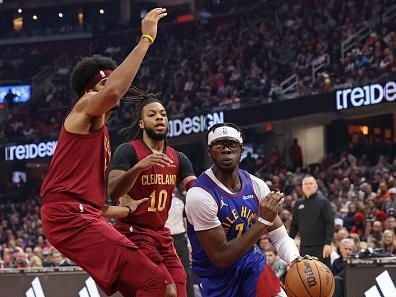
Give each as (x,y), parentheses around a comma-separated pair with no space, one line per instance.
(227,57)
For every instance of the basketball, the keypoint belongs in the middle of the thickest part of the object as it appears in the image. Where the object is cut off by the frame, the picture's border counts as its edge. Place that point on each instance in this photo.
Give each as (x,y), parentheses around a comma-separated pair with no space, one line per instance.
(309,278)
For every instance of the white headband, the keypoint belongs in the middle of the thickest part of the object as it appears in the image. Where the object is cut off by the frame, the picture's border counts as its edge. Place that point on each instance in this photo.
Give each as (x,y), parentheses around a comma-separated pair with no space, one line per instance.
(224,131)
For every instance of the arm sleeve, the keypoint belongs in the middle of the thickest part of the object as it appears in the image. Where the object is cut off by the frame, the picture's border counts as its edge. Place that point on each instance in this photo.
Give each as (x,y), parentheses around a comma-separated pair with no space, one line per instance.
(201,209)
(124,158)
(329,221)
(284,245)
(185,166)
(260,187)
(294,223)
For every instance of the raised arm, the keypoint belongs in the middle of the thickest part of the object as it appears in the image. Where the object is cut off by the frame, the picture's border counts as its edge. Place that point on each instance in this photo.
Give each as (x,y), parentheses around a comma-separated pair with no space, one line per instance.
(121,78)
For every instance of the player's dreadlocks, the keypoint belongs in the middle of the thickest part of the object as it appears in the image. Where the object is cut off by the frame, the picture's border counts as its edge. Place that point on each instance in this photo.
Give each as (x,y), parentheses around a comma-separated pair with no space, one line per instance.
(140,99)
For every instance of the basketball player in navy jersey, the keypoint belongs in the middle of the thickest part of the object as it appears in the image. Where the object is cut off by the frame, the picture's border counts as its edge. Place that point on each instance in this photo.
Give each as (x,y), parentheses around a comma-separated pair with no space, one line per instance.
(147,167)
(221,207)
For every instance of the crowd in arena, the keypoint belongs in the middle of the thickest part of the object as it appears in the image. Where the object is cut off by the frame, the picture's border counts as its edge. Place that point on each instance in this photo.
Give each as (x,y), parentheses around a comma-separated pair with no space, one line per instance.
(243,61)
(237,66)
(243,58)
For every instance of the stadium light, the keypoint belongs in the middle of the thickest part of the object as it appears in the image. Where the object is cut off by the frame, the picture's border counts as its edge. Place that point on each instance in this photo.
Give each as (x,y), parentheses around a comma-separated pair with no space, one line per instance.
(60,15)
(35,17)
(101,11)
(19,10)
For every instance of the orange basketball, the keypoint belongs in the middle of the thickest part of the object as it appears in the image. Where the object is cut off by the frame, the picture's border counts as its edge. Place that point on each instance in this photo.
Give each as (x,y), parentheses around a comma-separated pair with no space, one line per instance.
(309,278)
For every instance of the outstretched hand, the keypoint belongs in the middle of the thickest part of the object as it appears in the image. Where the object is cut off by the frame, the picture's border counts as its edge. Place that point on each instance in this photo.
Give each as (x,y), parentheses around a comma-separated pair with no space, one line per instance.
(150,21)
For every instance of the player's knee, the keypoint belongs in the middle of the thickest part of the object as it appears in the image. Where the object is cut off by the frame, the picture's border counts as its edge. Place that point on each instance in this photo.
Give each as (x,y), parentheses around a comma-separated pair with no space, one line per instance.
(171,290)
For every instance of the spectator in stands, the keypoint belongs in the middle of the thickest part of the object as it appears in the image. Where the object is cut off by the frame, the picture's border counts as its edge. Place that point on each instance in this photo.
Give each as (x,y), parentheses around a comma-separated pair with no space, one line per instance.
(366,192)
(265,243)
(295,154)
(47,258)
(35,262)
(391,202)
(7,261)
(358,224)
(390,223)
(56,258)
(9,99)
(275,158)
(338,236)
(249,163)
(338,224)
(21,260)
(372,243)
(377,230)
(348,220)
(347,247)
(388,241)
(277,264)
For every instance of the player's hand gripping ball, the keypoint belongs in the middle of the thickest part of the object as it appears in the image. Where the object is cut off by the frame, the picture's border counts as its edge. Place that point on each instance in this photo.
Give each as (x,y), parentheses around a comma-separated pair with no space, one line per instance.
(308,277)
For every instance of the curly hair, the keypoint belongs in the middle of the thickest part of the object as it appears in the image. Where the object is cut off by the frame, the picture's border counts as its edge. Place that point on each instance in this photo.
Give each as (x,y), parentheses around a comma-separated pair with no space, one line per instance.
(86,69)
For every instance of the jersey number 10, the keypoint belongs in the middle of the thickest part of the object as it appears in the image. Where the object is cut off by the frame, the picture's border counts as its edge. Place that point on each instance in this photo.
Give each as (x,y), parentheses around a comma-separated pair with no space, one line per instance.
(160,203)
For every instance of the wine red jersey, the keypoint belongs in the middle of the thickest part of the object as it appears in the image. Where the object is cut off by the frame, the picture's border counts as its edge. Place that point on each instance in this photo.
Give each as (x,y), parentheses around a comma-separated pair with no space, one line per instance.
(157,184)
(79,167)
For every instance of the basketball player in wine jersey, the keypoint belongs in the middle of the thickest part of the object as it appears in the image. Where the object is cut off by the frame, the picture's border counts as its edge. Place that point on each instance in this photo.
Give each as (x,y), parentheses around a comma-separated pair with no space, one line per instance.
(149,168)
(74,190)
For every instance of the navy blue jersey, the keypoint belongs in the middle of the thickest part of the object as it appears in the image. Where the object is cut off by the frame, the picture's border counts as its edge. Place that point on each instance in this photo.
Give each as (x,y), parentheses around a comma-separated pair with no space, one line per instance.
(249,276)
(235,212)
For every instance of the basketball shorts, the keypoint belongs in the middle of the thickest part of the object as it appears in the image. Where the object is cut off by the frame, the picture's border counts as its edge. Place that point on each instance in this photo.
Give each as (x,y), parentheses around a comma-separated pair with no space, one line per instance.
(158,246)
(251,278)
(78,232)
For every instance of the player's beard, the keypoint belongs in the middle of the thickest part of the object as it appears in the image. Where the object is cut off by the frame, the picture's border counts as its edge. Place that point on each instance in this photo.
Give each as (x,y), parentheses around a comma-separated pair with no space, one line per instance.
(156,136)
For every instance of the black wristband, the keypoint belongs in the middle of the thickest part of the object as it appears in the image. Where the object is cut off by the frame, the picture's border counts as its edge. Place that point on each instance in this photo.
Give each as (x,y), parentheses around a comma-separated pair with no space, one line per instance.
(129,210)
